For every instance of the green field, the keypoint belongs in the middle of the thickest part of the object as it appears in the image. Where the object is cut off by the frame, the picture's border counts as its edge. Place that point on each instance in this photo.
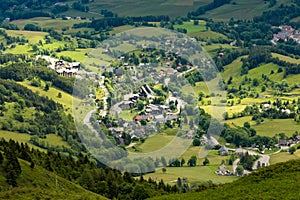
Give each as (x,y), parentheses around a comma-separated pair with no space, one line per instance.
(78,55)
(127,115)
(239,121)
(121,29)
(208,35)
(284,157)
(45,22)
(286,58)
(20,49)
(52,93)
(213,47)
(198,174)
(272,127)
(269,127)
(32,36)
(154,143)
(51,139)
(191,28)
(244,9)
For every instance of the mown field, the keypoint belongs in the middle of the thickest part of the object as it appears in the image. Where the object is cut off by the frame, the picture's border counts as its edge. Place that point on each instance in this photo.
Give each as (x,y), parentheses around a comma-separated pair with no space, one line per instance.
(191,28)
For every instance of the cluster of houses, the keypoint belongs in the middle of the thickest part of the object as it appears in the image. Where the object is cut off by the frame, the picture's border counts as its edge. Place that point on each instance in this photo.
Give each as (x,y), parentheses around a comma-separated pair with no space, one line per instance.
(63,68)
(267,106)
(158,113)
(287,32)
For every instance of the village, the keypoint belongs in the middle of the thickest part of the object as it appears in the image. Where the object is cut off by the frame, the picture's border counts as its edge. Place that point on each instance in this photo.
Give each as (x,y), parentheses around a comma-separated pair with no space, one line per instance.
(286,33)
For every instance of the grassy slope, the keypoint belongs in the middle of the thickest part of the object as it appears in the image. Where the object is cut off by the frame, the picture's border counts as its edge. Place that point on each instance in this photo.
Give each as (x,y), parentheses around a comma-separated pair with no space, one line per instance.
(286,58)
(244,9)
(39,183)
(66,100)
(172,8)
(46,22)
(274,182)
(51,139)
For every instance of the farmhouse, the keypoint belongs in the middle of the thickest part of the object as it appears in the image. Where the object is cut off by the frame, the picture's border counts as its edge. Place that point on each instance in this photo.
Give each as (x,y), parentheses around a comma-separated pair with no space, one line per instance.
(223,151)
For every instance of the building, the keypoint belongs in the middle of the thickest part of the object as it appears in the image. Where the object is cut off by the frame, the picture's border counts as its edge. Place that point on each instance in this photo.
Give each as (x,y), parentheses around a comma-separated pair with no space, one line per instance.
(223,151)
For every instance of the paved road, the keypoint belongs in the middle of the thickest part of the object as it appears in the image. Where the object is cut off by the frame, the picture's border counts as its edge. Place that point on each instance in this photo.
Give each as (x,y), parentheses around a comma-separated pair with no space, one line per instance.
(263,159)
(235,164)
(104,111)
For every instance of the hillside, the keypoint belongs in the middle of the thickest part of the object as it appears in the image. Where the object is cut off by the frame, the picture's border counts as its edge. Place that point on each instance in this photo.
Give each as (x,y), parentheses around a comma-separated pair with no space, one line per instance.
(274,182)
(39,183)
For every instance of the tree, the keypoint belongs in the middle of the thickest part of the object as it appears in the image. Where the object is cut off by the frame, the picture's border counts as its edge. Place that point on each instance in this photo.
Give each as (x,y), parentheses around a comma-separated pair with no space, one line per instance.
(32,165)
(140,105)
(139,193)
(164,170)
(192,162)
(206,161)
(196,142)
(59,95)
(292,150)
(163,161)
(231,159)
(47,86)
(247,125)
(240,170)
(196,22)
(182,162)
(1,158)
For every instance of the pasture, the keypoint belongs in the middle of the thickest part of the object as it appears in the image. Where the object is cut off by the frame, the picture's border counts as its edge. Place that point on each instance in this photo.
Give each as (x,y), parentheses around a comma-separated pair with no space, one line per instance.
(51,139)
(286,58)
(191,28)
(52,93)
(284,157)
(173,8)
(275,126)
(46,22)
(242,9)
(31,36)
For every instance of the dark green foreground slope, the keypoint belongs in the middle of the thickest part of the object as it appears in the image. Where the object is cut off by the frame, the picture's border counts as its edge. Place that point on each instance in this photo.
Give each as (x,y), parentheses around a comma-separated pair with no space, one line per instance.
(38,183)
(279,181)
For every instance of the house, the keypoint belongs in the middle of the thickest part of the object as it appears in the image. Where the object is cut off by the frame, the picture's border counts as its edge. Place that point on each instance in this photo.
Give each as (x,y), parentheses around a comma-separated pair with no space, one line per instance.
(138,118)
(190,134)
(127,105)
(159,118)
(239,151)
(119,72)
(283,142)
(92,96)
(172,117)
(223,151)
(223,171)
